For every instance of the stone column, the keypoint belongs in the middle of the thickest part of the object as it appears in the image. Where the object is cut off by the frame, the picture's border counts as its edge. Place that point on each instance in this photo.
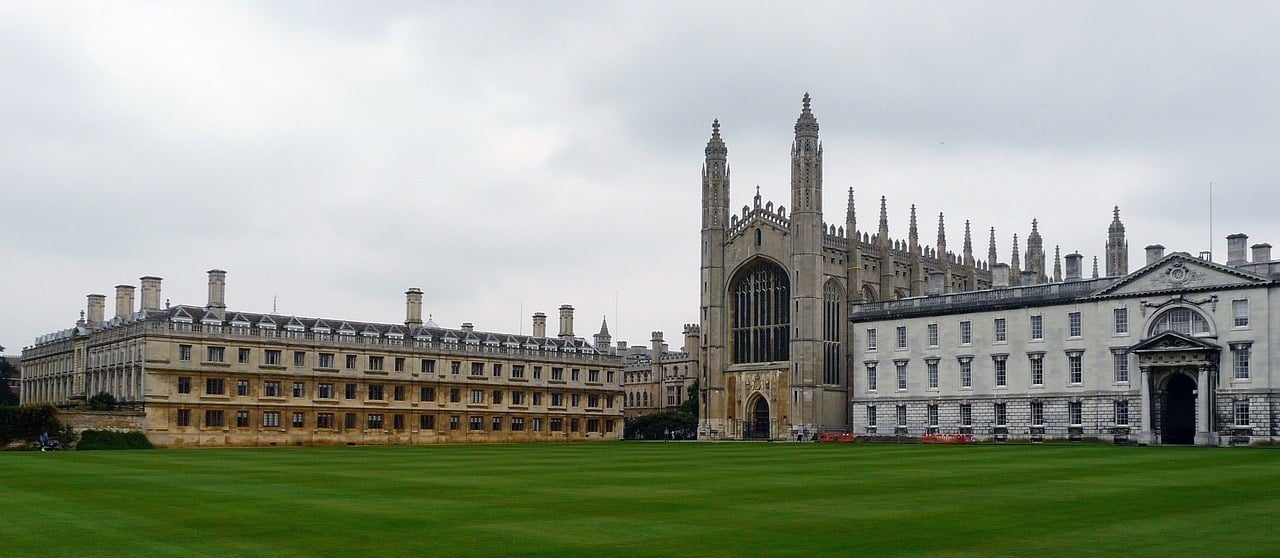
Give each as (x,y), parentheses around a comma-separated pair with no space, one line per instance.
(1144,378)
(1204,407)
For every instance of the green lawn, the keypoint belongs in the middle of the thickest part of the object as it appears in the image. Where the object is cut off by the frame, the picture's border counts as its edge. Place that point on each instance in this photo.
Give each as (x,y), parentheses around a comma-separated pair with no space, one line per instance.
(614,499)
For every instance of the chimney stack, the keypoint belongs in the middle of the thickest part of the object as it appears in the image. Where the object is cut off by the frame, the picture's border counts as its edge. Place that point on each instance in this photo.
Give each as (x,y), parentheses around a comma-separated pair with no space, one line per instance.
(1000,276)
(217,293)
(124,300)
(468,326)
(1075,266)
(1261,253)
(1029,277)
(150,293)
(566,322)
(97,307)
(1236,249)
(657,345)
(413,308)
(1154,253)
(692,338)
(933,283)
(539,324)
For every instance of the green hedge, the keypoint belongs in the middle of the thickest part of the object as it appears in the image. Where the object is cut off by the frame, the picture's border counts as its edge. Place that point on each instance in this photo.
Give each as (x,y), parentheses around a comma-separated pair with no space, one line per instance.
(111,440)
(29,421)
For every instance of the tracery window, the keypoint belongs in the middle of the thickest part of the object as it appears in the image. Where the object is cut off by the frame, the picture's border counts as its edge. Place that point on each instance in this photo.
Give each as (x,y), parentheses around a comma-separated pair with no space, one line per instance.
(761,315)
(832,316)
(1180,320)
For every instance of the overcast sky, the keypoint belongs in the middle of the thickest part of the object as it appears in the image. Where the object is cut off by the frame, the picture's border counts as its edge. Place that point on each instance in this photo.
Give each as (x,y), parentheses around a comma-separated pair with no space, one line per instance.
(511,157)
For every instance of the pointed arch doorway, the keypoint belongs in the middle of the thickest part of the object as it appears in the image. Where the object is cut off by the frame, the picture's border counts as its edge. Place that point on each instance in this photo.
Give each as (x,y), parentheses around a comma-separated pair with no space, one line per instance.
(758,417)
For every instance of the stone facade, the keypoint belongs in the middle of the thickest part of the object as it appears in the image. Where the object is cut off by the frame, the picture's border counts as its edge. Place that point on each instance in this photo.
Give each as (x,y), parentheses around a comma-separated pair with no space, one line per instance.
(211,376)
(658,379)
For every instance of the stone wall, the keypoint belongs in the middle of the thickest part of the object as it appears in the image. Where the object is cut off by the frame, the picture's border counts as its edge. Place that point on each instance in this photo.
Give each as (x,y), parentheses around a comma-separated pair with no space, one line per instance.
(120,421)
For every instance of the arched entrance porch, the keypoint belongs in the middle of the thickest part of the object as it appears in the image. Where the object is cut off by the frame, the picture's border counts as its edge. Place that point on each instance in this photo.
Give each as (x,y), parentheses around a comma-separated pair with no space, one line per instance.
(758,419)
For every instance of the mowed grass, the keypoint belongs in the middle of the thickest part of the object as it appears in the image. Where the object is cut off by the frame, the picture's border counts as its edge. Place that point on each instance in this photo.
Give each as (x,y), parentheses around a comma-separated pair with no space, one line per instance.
(644,499)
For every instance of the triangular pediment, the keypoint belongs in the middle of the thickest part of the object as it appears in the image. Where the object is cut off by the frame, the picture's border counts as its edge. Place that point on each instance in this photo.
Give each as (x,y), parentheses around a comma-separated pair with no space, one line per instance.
(1172,341)
(1181,272)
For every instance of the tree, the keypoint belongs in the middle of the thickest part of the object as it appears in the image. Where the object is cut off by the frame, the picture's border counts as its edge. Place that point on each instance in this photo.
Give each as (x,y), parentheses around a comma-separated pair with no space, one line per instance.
(7,398)
(103,401)
(661,425)
(690,405)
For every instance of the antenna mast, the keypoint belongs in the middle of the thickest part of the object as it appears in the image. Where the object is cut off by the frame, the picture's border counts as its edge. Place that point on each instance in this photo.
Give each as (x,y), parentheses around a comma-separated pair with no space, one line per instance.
(1211,221)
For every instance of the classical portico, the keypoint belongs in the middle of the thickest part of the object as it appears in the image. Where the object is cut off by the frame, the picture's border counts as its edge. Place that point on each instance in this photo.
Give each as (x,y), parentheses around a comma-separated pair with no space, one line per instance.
(1178,373)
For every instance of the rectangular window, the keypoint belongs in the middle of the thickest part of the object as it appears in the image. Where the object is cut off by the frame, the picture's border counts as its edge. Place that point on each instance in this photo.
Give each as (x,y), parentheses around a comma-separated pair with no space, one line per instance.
(517,423)
(1001,331)
(426,422)
(1240,361)
(1074,327)
(1120,366)
(609,378)
(933,373)
(242,419)
(902,337)
(398,366)
(557,399)
(299,358)
(517,398)
(966,332)
(428,367)
(477,423)
(477,369)
(537,372)
(1037,370)
(243,356)
(497,370)
(324,391)
(215,354)
(1000,365)
(966,373)
(557,373)
(537,398)
(375,363)
(932,332)
(184,352)
(497,424)
(215,386)
(933,415)
(536,425)
(1037,413)
(212,417)
(375,392)
(455,367)
(902,374)
(497,397)
(1075,412)
(349,421)
(427,393)
(1240,311)
(271,388)
(324,420)
(1121,413)
(349,391)
(477,396)
(242,388)
(374,421)
(1075,368)
(299,389)
(1242,413)
(184,385)
(455,395)
(575,399)
(871,376)
(1002,416)
(902,415)
(517,371)
(1121,318)
(397,422)
(573,425)
(1037,327)
(271,357)
(871,339)
(351,362)
(455,422)
(871,415)
(593,376)
(299,420)
(397,393)
(593,401)
(326,360)
(966,414)
(557,424)
(574,375)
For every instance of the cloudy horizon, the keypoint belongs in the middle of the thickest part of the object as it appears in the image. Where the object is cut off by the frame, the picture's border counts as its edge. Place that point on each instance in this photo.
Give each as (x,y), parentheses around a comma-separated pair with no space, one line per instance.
(508,158)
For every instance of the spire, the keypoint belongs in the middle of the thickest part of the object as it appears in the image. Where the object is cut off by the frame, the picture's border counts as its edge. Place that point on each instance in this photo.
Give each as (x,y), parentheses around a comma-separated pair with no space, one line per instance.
(942,236)
(1013,260)
(991,250)
(1117,247)
(884,218)
(757,198)
(912,235)
(715,146)
(1095,267)
(806,124)
(849,214)
(604,326)
(1057,264)
(1116,225)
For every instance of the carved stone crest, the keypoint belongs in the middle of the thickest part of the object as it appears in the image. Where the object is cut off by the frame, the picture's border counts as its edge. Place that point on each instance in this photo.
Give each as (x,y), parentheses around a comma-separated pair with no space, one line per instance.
(1178,275)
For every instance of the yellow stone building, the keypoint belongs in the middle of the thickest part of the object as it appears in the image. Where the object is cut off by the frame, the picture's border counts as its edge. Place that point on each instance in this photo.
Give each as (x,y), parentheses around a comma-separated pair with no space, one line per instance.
(207,376)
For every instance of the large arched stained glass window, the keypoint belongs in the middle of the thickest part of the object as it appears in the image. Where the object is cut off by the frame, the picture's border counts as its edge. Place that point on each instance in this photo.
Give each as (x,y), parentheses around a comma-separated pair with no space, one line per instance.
(1181,320)
(832,316)
(761,315)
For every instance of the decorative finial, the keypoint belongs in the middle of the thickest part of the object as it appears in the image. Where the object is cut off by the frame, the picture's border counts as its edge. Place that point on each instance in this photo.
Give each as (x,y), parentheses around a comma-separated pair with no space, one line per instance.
(715,128)
(1095,267)
(806,101)
(884,215)
(1116,213)
(1034,222)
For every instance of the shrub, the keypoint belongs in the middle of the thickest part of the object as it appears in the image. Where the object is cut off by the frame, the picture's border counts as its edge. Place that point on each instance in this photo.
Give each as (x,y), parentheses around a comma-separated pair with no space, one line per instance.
(112,440)
(29,421)
(659,426)
(103,401)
